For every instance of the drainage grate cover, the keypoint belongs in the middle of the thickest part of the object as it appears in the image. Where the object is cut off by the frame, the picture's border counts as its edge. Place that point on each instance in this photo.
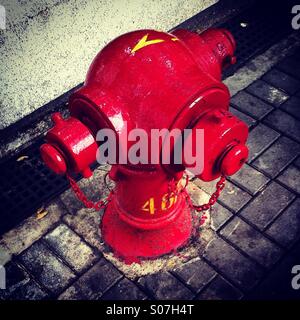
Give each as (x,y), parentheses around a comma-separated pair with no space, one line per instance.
(256,29)
(26,184)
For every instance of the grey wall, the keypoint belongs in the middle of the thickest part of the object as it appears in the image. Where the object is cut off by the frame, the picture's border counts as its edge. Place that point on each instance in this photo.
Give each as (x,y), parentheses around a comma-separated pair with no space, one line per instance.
(48,45)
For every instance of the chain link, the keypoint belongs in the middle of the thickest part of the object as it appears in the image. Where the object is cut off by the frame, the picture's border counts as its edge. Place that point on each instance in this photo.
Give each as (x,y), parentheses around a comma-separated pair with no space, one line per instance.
(101,204)
(173,189)
(213,198)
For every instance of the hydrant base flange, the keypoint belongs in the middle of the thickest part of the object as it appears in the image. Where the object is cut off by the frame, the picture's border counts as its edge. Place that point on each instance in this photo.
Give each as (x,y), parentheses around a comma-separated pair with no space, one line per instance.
(131,244)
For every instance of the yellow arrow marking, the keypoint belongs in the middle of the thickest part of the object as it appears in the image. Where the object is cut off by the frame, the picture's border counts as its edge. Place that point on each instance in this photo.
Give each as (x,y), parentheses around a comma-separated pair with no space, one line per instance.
(175,39)
(143,43)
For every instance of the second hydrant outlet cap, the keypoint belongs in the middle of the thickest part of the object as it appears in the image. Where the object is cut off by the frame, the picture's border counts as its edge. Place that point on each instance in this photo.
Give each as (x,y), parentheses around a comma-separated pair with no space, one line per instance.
(234,159)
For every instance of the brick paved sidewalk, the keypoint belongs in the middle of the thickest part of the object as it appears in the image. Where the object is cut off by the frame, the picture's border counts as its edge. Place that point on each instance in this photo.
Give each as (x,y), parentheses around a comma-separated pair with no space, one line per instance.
(246,251)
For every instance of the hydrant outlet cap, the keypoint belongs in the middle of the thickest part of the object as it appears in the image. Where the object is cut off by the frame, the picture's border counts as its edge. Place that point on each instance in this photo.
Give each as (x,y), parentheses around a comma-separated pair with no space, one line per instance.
(234,159)
(57,118)
(53,159)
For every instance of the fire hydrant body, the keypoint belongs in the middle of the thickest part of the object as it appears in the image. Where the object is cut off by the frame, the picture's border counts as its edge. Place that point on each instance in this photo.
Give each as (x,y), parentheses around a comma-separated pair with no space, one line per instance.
(151,80)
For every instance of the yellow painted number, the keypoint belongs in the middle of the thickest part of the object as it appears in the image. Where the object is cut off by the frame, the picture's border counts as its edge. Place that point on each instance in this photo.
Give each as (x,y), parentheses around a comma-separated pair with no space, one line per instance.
(149,206)
(166,203)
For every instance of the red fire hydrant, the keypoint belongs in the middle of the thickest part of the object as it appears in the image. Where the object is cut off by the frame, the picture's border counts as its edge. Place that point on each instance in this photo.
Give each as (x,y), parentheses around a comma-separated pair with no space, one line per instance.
(149,79)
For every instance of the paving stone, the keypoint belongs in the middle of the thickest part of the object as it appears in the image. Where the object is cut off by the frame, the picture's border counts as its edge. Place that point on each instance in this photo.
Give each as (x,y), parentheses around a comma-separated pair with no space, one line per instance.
(296,54)
(71,248)
(267,205)
(124,290)
(277,157)
(282,81)
(297,162)
(23,236)
(93,283)
(251,242)
(250,179)
(72,293)
(94,188)
(195,274)
(197,195)
(164,286)
(19,286)
(208,187)
(251,105)
(47,268)
(86,223)
(267,93)
(277,284)
(5,255)
(250,122)
(218,216)
(290,65)
(286,228)
(285,123)
(220,289)
(233,197)
(15,276)
(260,138)
(29,291)
(291,177)
(292,106)
(240,270)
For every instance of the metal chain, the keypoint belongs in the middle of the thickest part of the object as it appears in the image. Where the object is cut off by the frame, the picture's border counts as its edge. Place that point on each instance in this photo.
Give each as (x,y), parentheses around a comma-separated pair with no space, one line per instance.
(213,198)
(199,221)
(101,204)
(172,189)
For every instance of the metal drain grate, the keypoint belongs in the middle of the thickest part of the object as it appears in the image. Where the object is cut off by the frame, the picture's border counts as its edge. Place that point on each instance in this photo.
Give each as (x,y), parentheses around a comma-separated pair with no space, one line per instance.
(26,185)
(256,29)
